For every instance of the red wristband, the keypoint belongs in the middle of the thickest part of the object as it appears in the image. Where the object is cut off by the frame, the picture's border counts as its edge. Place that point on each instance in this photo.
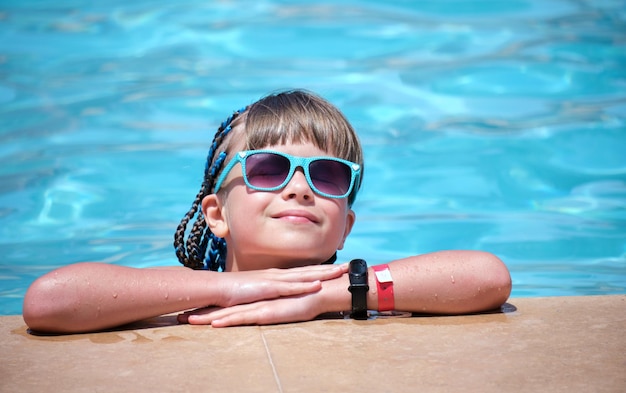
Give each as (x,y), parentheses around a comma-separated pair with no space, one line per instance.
(384,284)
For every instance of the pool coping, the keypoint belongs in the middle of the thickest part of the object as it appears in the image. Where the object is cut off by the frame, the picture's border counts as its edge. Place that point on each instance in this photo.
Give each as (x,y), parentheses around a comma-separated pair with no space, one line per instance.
(553,344)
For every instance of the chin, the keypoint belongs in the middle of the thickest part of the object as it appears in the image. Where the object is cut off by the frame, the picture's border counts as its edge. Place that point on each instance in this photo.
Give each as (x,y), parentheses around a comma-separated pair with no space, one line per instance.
(281,259)
(298,261)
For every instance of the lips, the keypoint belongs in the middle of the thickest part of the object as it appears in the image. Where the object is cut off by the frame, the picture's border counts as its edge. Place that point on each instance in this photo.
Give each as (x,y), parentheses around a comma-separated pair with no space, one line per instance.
(297,216)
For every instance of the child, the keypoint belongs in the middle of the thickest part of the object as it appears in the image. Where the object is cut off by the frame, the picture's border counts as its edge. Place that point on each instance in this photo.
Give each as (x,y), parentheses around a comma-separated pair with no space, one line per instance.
(272,218)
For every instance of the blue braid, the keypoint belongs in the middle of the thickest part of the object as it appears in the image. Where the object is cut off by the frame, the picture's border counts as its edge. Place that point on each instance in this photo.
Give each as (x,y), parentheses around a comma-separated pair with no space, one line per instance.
(218,164)
(226,128)
(193,252)
(212,246)
(216,255)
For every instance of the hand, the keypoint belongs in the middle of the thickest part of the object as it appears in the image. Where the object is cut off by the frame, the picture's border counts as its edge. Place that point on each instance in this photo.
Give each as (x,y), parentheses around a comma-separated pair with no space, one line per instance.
(251,286)
(301,307)
(281,310)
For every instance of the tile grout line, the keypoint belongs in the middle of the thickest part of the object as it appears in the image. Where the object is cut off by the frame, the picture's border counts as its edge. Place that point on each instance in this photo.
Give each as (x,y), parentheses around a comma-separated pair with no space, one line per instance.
(269,356)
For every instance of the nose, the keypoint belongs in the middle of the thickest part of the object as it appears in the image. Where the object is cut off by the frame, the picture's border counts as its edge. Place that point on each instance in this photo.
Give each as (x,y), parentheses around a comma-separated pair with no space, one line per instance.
(297,187)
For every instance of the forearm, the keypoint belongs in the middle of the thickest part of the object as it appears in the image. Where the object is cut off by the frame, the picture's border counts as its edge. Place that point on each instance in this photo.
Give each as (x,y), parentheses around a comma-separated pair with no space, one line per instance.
(93,296)
(447,282)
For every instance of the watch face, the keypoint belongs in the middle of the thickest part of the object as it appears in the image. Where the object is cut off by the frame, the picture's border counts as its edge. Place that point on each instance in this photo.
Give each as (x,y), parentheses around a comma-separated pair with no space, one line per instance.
(358,272)
(358,267)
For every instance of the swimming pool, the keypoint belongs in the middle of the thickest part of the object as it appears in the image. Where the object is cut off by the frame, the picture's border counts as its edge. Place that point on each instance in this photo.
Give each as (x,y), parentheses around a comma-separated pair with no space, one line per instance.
(489,125)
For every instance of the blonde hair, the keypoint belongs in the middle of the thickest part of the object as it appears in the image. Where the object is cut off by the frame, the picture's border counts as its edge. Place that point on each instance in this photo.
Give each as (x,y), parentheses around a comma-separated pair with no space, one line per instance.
(293,116)
(301,117)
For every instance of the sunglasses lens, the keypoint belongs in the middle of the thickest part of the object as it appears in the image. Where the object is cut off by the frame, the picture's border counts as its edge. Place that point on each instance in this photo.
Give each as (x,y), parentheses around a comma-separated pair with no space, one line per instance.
(266,170)
(330,177)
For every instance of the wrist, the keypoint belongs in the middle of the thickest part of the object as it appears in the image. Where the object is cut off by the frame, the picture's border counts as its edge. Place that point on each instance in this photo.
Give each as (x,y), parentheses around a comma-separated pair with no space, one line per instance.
(335,296)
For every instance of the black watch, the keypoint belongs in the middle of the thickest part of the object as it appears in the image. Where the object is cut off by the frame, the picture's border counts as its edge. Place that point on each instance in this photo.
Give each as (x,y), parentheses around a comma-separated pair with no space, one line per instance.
(358,287)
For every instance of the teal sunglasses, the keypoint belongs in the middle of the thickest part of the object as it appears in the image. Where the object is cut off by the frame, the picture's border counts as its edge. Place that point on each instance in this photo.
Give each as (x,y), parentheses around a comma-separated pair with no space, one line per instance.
(268,170)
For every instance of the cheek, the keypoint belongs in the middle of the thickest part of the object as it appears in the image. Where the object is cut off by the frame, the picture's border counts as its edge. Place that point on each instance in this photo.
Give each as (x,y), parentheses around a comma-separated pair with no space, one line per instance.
(338,217)
(241,207)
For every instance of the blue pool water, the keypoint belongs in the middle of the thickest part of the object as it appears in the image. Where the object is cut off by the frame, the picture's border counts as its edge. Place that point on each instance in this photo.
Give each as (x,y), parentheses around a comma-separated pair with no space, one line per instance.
(488,125)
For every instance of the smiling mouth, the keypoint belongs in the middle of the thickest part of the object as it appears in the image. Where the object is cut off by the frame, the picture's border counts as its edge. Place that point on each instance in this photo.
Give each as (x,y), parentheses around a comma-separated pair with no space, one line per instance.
(296,217)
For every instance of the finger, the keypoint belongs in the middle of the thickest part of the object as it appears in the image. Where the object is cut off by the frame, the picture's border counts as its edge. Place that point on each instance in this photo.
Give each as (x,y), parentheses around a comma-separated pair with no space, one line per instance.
(184,317)
(229,312)
(262,313)
(255,291)
(343,266)
(251,316)
(296,288)
(201,319)
(243,314)
(308,273)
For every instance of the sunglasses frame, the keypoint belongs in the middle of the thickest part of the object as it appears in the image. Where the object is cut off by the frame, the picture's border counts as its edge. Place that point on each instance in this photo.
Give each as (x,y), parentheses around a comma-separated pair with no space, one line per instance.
(295,162)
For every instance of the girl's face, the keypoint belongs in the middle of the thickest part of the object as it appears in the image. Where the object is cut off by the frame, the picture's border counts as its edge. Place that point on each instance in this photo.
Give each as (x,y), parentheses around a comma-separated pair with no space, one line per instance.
(284,228)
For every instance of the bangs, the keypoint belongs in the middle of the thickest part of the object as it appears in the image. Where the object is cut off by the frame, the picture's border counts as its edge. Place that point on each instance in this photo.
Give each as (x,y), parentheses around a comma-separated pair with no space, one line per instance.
(300,118)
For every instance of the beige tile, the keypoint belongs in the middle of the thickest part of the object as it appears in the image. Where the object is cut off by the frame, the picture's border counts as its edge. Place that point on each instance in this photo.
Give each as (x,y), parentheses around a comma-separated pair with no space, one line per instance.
(546,345)
(560,344)
(162,359)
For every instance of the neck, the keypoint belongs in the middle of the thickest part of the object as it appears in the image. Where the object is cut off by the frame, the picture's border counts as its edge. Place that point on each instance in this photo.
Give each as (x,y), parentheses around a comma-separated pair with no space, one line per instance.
(236,263)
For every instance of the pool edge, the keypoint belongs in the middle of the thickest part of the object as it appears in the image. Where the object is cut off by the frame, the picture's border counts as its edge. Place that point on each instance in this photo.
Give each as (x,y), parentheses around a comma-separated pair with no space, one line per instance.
(550,344)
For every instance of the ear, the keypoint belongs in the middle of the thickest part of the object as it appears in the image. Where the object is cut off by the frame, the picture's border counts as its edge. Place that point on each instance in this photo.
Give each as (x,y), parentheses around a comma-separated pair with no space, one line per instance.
(213,215)
(350,219)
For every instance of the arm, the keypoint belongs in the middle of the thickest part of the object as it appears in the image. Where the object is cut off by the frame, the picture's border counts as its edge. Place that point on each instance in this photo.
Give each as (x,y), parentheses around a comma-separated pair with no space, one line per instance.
(446,282)
(94,296)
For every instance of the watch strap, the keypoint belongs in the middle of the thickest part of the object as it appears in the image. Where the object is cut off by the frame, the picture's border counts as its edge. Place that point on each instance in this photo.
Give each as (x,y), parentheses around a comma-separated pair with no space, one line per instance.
(359,287)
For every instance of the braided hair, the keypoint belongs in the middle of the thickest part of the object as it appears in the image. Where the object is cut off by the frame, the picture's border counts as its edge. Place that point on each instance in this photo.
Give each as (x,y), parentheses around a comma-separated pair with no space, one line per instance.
(204,250)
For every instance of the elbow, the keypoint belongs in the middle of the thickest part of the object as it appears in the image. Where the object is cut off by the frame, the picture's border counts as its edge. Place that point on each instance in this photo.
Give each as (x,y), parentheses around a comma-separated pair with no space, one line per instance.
(489,286)
(44,306)
(499,283)
(502,279)
(34,309)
